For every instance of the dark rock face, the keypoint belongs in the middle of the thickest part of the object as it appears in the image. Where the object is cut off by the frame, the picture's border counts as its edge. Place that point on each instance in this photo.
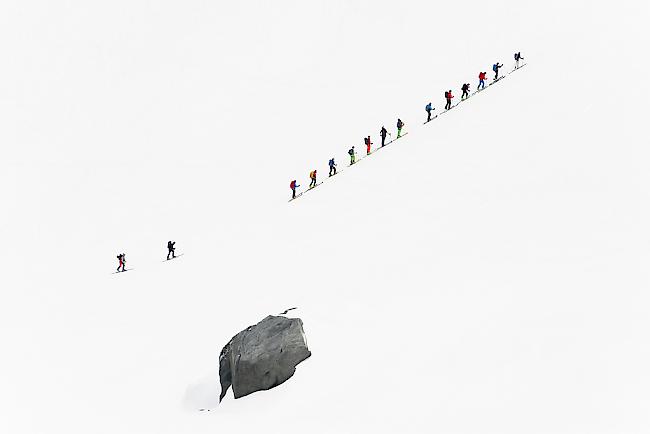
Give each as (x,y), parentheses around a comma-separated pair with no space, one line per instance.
(262,356)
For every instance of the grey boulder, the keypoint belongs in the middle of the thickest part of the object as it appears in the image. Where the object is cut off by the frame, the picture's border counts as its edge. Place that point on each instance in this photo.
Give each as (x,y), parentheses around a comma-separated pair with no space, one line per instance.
(262,356)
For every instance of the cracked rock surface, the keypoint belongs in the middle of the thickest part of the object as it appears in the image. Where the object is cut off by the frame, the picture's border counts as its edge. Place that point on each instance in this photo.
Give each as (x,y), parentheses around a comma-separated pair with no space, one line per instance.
(262,356)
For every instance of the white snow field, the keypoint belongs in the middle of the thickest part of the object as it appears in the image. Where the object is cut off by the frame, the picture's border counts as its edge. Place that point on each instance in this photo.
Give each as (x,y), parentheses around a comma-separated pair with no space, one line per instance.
(488,273)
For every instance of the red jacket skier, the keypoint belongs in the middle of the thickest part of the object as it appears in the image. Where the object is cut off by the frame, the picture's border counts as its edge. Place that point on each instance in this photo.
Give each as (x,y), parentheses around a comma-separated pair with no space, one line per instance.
(448,96)
(368,144)
(481,80)
(293,187)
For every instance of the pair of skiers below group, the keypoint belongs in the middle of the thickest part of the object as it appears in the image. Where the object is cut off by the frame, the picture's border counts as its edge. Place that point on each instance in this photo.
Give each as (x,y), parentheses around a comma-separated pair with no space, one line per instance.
(171,254)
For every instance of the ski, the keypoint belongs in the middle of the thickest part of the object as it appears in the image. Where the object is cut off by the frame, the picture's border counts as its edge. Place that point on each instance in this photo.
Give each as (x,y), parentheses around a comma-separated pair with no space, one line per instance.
(497,80)
(433,118)
(125,270)
(297,196)
(524,64)
(388,143)
(399,137)
(477,91)
(442,113)
(174,257)
(311,188)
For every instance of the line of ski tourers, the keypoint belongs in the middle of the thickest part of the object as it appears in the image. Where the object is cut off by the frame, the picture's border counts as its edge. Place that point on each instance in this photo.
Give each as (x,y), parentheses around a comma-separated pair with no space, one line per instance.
(383,133)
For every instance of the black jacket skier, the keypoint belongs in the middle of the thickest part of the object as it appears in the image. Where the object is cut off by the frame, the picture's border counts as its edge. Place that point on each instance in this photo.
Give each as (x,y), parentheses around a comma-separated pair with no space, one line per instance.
(400,125)
(517,59)
(465,90)
(383,134)
(171,249)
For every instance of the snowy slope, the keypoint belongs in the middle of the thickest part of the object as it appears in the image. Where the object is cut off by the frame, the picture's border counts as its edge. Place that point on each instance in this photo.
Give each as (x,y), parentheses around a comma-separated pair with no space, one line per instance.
(487,273)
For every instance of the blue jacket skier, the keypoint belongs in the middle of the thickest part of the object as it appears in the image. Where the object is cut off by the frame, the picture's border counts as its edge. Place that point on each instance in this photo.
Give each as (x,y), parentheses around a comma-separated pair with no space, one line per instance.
(332,165)
(495,68)
(428,109)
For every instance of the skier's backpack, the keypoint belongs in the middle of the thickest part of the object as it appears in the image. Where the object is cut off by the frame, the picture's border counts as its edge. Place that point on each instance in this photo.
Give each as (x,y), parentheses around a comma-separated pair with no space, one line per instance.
(351,152)
(516,56)
(292,185)
(331,163)
(494,67)
(446,95)
(428,107)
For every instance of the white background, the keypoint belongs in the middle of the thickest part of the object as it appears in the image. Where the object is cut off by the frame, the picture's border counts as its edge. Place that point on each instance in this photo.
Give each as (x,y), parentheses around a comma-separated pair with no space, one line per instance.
(486,274)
